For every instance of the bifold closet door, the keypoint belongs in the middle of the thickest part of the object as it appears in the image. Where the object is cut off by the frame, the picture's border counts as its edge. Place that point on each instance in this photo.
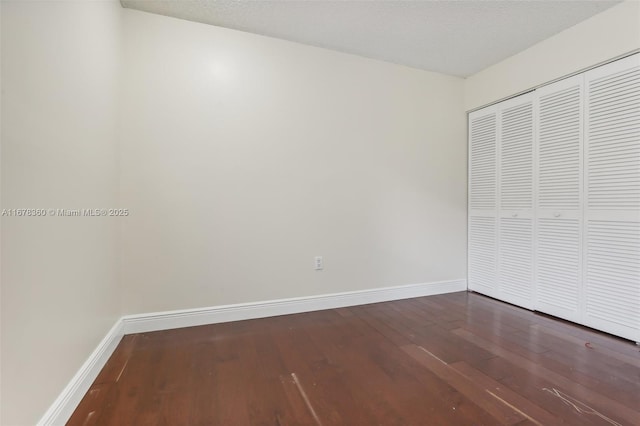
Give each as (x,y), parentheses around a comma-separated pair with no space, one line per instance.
(483,195)
(559,202)
(515,201)
(612,214)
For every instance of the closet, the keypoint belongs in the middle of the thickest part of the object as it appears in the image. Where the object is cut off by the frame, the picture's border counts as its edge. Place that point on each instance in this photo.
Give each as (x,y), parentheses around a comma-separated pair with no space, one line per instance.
(554,199)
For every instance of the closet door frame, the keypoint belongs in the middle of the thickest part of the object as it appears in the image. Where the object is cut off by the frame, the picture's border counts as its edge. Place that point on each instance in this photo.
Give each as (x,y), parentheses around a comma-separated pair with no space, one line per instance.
(608,224)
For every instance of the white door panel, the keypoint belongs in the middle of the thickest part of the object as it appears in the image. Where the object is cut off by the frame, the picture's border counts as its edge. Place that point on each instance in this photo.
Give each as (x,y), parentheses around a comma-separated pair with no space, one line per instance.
(612,215)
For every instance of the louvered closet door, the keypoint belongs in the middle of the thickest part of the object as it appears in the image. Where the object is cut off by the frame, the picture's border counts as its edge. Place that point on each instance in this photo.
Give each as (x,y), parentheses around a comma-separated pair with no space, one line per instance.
(482,267)
(559,203)
(515,226)
(612,270)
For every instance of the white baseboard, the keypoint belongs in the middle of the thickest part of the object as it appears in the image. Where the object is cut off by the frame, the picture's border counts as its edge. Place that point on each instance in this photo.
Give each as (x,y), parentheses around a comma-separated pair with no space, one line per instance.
(63,407)
(156,321)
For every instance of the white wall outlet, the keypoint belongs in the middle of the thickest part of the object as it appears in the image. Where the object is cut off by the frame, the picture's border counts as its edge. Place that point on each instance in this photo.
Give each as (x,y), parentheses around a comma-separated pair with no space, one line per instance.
(319,264)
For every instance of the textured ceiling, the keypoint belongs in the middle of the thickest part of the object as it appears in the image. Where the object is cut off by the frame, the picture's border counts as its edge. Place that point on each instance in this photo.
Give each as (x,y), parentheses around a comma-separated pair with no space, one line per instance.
(452,37)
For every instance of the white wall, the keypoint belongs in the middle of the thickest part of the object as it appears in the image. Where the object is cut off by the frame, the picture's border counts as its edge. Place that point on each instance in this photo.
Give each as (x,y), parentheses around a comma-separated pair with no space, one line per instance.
(614,32)
(59,150)
(244,157)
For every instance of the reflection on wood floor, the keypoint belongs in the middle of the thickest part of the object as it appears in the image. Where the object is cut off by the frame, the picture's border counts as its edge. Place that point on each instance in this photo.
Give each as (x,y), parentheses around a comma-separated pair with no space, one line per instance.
(454,359)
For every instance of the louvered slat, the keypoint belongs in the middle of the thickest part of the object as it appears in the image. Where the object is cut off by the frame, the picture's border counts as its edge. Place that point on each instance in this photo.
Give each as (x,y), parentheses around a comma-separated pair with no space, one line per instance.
(482,162)
(560,123)
(516,157)
(613,277)
(482,254)
(613,141)
(559,267)
(516,260)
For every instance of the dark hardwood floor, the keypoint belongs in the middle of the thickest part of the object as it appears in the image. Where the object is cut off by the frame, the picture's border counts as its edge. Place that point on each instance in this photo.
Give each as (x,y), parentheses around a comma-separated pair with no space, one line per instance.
(454,359)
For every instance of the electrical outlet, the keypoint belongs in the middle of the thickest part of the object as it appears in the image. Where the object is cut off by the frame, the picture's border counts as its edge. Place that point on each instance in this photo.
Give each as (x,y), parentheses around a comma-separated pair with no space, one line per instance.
(319,264)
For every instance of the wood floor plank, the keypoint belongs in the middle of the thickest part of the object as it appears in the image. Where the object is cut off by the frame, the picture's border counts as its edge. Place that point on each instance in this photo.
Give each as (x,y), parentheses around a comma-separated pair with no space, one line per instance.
(323,383)
(574,365)
(533,387)
(114,368)
(230,400)
(368,383)
(454,359)
(451,348)
(92,405)
(398,386)
(203,376)
(437,392)
(504,414)
(592,397)
(536,414)
(607,352)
